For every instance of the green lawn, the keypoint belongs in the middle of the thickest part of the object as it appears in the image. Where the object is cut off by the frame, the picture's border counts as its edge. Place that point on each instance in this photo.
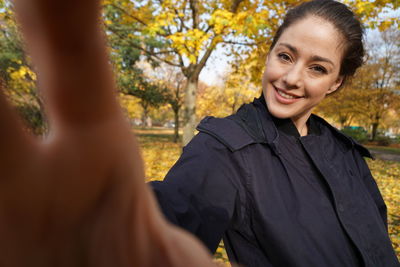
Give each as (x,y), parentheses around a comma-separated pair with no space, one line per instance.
(387,149)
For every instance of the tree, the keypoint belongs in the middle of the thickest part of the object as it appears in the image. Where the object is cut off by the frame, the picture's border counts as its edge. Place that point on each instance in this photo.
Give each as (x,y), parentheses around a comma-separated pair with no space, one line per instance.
(185,33)
(131,78)
(374,91)
(224,100)
(342,106)
(382,71)
(174,82)
(134,83)
(15,72)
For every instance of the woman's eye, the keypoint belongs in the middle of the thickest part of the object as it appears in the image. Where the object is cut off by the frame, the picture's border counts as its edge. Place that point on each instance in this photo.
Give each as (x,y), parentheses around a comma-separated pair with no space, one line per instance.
(284,57)
(319,69)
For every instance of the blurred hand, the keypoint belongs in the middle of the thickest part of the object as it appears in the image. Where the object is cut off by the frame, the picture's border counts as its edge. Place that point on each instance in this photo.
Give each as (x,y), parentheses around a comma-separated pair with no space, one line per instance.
(77,198)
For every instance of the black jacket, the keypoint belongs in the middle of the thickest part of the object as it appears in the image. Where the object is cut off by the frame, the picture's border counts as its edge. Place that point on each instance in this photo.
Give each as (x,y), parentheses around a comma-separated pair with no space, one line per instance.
(237,180)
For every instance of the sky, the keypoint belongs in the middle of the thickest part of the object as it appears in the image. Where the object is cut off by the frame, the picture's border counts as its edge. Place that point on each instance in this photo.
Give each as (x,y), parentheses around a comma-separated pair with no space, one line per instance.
(216,66)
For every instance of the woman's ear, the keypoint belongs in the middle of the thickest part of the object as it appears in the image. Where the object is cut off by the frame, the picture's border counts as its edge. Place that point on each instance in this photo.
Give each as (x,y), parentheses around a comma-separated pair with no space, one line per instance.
(336,85)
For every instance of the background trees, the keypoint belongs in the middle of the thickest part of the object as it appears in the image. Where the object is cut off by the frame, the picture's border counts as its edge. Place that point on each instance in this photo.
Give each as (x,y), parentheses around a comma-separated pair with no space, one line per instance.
(372,98)
(184,35)
(382,93)
(16,75)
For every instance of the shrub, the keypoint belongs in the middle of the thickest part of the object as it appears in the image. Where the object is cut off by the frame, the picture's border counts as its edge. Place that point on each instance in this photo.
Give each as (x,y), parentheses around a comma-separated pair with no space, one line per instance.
(383,140)
(357,133)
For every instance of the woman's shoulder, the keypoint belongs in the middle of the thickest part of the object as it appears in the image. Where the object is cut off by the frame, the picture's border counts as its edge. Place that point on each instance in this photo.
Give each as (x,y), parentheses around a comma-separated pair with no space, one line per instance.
(229,131)
(226,131)
(345,140)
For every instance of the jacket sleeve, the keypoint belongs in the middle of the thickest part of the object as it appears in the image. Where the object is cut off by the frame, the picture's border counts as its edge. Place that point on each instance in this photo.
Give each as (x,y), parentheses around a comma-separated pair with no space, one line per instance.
(200,192)
(372,187)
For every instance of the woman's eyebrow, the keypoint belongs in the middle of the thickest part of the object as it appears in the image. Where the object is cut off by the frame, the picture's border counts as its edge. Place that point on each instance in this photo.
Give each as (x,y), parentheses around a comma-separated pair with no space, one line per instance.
(323,59)
(313,58)
(290,47)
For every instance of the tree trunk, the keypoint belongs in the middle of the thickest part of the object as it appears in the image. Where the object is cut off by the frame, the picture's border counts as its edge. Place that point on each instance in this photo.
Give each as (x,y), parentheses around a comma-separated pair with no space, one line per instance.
(176,128)
(342,121)
(374,131)
(189,119)
(145,115)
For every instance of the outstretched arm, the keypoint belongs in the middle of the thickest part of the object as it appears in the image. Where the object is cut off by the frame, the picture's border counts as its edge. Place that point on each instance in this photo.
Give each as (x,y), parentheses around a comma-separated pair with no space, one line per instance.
(78,197)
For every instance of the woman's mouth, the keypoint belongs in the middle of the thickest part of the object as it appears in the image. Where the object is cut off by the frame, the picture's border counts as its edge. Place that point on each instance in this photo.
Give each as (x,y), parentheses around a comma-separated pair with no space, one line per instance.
(283,94)
(284,97)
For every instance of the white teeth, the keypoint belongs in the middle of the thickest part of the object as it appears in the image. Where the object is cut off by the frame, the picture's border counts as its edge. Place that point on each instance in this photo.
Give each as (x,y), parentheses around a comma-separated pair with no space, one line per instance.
(285,95)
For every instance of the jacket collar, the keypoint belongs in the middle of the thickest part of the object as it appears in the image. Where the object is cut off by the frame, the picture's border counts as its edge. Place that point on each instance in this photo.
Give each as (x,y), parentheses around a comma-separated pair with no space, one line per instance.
(254,124)
(271,133)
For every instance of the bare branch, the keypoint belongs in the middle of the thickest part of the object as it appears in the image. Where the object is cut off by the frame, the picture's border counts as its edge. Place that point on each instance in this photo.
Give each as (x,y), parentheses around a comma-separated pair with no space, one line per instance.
(128,14)
(195,13)
(205,57)
(155,55)
(243,43)
(235,5)
(208,28)
(182,24)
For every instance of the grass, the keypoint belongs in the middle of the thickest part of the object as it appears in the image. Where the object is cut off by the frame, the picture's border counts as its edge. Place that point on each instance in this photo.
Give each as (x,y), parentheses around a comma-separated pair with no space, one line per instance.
(386,149)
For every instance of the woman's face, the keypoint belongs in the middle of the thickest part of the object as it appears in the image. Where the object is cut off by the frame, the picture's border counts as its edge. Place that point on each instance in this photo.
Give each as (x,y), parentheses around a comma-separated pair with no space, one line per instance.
(302,68)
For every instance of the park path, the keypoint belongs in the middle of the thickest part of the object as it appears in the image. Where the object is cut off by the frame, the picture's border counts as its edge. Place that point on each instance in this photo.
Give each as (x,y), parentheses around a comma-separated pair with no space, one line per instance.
(385,155)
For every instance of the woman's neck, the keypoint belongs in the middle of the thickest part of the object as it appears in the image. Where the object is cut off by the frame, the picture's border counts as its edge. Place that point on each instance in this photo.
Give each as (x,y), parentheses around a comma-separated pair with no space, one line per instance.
(301,124)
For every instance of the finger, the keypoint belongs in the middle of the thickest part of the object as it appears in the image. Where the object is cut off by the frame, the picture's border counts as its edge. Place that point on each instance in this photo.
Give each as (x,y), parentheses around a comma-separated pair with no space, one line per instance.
(13,139)
(68,50)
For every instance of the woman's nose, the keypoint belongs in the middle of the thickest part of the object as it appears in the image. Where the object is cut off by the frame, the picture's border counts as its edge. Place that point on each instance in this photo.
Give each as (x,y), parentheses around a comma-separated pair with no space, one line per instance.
(293,76)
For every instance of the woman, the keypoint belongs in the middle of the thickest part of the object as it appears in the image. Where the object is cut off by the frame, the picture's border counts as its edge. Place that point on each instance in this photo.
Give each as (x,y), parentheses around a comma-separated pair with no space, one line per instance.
(281,186)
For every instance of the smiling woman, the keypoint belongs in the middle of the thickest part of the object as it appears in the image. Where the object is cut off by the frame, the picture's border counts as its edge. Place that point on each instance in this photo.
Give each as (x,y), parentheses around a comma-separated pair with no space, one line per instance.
(280,185)
(302,68)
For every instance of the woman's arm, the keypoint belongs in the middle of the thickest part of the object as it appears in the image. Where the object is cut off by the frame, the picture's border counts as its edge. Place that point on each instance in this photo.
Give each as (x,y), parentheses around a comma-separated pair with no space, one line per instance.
(201,191)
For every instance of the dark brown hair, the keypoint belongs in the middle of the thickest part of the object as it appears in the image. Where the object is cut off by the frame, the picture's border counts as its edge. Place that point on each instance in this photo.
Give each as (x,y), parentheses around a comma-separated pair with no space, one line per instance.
(343,19)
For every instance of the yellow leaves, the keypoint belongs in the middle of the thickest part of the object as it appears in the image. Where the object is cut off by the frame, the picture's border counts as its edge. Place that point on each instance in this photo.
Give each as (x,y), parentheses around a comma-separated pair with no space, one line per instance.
(130,105)
(158,152)
(375,14)
(159,22)
(22,85)
(224,100)
(249,23)
(387,176)
(107,2)
(165,19)
(22,79)
(220,255)
(384,25)
(190,43)
(364,7)
(166,4)
(220,20)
